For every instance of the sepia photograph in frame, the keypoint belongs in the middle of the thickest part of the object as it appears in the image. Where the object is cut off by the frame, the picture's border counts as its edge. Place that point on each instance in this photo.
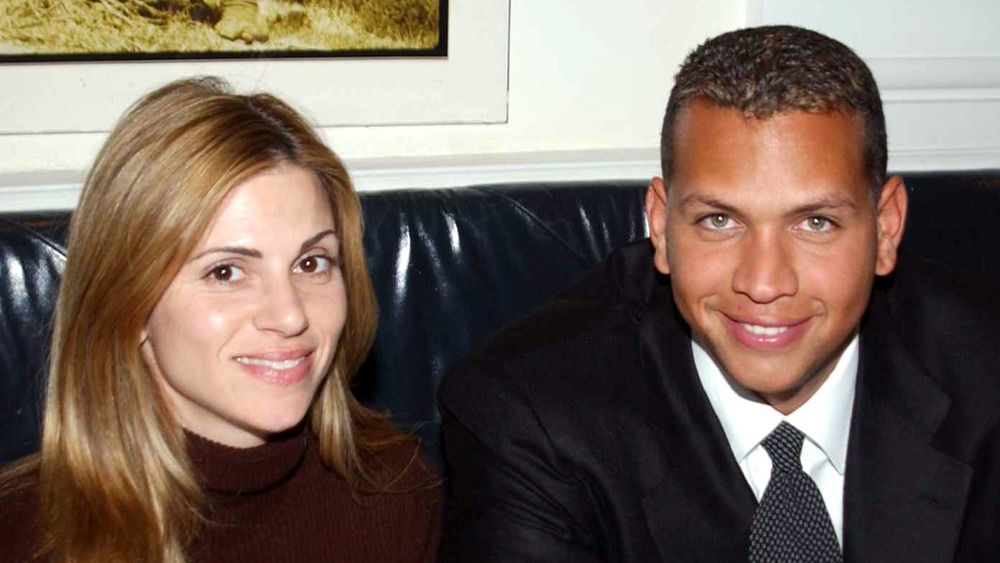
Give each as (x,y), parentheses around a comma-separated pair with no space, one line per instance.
(93,30)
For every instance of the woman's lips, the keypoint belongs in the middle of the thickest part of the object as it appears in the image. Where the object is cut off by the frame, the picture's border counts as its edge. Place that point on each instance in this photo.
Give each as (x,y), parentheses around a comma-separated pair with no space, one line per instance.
(768,336)
(283,368)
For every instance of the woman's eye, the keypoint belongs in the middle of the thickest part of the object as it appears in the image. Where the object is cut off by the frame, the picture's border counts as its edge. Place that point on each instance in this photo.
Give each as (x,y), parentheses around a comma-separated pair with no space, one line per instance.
(317,264)
(225,273)
(717,221)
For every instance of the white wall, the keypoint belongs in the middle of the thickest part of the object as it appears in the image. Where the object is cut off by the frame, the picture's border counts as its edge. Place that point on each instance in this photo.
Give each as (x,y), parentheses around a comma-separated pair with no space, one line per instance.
(588,80)
(938,68)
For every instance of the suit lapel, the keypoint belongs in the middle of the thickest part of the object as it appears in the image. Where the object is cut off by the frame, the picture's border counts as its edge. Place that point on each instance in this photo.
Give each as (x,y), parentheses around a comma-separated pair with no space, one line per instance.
(904,499)
(702,506)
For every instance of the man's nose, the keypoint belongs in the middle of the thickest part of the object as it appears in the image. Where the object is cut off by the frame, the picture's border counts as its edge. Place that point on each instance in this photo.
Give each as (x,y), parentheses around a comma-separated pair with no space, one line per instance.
(766,270)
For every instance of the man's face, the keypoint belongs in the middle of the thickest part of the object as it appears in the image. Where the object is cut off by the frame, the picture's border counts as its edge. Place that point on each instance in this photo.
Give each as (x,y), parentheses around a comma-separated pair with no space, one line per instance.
(772,241)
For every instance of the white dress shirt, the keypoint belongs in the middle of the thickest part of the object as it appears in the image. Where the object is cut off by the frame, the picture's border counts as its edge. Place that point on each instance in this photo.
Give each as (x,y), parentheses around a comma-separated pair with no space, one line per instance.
(825,419)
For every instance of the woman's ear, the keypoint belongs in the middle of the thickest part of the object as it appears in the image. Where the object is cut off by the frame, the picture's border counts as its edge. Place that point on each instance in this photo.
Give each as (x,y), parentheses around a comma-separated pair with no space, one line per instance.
(656,215)
(146,351)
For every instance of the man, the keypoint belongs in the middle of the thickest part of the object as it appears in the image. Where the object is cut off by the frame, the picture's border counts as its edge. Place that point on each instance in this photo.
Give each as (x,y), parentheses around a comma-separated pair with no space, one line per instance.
(733,389)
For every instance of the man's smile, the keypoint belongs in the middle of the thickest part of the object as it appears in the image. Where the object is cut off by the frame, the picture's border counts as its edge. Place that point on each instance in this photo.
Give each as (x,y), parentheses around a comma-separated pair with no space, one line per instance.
(766,335)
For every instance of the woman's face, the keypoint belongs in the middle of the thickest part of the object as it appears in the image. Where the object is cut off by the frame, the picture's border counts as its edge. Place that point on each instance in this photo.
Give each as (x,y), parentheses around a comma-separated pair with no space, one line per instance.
(244,335)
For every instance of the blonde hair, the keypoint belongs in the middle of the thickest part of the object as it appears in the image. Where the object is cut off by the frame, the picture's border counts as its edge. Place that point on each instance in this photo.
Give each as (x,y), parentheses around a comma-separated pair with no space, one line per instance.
(115,480)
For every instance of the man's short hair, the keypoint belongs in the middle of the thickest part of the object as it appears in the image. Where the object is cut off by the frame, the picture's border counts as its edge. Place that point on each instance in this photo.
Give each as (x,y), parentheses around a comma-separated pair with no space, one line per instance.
(764,71)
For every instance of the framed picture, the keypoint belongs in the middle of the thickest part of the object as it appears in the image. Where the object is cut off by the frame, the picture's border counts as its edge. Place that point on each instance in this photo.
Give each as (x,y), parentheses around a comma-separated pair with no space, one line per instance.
(76,98)
(96,30)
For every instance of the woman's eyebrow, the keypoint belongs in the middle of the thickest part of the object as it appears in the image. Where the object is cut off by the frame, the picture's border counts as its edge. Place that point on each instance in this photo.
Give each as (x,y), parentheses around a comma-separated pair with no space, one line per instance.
(316,238)
(250,252)
(254,253)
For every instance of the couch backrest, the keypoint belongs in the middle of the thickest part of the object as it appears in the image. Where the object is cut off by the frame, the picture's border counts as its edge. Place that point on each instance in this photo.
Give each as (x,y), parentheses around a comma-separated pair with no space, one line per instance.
(449,267)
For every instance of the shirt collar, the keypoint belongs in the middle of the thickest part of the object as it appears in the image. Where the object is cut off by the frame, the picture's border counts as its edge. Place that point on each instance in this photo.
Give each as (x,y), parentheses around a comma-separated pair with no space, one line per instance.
(825,418)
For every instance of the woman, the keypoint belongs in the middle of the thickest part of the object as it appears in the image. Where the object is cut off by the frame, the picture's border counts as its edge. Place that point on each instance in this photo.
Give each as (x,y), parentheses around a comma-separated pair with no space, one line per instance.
(215,294)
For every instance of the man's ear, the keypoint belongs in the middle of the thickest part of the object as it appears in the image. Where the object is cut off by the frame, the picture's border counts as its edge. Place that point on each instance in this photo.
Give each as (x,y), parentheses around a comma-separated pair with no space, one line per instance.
(890,222)
(656,215)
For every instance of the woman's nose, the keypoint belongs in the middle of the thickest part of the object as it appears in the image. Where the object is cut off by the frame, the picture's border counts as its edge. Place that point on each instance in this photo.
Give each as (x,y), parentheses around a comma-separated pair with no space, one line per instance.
(281,309)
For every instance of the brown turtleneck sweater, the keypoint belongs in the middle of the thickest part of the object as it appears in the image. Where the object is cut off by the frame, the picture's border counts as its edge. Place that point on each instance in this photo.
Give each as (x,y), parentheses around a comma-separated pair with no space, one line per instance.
(279,503)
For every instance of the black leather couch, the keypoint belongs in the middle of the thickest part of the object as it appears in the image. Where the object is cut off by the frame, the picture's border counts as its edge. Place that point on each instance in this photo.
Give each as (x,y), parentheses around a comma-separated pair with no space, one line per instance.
(450,266)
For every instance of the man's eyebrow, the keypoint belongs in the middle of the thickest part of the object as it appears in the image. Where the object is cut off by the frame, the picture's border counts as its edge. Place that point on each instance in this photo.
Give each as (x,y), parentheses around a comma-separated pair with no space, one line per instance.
(825,204)
(254,253)
(698,200)
(814,206)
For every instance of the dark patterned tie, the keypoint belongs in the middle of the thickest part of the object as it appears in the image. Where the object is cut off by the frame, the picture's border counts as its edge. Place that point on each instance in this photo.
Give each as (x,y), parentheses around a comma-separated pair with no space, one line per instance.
(791,524)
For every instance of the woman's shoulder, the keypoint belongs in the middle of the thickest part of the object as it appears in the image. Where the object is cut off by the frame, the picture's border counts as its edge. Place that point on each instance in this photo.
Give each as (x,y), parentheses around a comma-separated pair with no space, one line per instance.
(20,528)
(400,466)
(410,499)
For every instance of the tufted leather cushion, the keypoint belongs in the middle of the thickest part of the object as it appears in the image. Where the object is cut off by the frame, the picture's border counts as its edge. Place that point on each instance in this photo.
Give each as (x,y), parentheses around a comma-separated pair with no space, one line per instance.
(954,219)
(32,267)
(449,267)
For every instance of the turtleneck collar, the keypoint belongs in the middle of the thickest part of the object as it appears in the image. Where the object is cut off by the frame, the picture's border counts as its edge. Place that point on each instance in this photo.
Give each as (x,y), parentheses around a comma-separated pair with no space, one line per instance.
(230,470)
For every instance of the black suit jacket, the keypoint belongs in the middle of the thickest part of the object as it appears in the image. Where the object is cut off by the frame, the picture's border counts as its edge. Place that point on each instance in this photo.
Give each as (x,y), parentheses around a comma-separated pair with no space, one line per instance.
(582,433)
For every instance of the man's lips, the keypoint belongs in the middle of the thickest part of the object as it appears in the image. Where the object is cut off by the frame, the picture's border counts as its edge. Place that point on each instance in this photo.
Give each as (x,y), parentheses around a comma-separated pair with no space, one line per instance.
(766,335)
(281,367)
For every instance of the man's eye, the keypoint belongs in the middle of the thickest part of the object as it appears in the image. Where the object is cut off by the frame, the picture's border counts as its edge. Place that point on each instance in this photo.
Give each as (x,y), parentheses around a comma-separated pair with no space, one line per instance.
(818,224)
(717,221)
(225,273)
(317,264)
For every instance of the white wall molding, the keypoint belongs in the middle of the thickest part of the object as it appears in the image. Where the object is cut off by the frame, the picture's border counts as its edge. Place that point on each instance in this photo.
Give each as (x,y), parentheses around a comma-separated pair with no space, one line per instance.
(61,191)
(928,96)
(450,172)
(39,197)
(944,158)
(937,73)
(48,191)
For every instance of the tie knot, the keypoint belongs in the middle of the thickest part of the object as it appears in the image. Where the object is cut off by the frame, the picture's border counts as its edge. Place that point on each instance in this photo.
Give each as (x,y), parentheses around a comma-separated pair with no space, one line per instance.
(784,445)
